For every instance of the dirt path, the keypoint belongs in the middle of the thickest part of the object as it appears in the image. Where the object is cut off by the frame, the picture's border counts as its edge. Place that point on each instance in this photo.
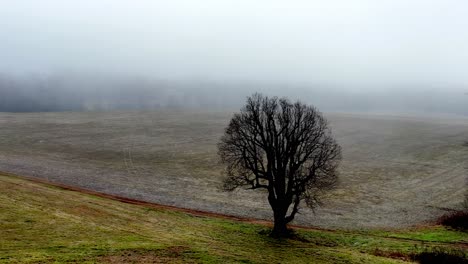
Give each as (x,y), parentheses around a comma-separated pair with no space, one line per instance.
(147,204)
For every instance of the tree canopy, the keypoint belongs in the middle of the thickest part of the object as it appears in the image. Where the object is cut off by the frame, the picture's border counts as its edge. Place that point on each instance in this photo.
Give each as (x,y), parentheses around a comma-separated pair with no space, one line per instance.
(283,147)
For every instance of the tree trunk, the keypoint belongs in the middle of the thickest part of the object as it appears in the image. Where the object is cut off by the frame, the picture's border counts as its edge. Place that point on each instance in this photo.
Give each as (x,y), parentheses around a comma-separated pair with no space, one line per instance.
(280,225)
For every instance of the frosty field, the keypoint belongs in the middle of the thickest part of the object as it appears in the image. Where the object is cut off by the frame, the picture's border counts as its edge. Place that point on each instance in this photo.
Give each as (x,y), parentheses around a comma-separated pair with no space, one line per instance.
(396,171)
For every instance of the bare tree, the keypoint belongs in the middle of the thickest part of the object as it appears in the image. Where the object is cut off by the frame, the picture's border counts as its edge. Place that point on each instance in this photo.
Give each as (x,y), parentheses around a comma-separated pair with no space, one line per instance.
(283,147)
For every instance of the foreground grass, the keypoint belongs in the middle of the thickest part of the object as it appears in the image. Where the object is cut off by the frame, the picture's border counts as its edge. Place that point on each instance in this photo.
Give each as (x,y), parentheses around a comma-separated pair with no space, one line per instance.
(41,223)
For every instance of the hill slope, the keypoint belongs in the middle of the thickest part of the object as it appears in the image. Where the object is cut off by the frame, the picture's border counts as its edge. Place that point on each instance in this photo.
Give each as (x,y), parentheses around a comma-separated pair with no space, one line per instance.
(44,223)
(171,158)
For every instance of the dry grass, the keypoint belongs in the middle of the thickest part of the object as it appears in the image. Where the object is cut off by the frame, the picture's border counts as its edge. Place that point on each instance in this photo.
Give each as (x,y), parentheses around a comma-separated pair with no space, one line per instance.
(40,223)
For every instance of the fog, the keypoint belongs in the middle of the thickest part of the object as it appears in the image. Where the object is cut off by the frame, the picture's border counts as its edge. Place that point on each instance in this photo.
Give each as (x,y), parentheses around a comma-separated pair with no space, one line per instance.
(372,56)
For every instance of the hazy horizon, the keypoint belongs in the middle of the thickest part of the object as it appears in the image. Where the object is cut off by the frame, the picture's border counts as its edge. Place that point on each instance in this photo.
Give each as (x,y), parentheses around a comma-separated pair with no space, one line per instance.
(340,55)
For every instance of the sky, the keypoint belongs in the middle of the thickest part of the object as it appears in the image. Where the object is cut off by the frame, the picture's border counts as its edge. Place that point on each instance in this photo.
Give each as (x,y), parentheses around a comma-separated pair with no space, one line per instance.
(356,45)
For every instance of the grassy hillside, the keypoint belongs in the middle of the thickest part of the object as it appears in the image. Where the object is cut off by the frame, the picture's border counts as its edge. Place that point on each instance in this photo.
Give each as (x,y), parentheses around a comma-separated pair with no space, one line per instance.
(43,223)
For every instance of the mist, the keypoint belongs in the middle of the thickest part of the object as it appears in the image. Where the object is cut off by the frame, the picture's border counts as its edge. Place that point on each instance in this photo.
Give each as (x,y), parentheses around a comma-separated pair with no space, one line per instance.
(390,56)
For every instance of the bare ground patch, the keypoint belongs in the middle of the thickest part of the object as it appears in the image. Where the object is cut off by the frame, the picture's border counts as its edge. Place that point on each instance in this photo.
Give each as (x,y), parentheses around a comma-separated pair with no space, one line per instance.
(396,171)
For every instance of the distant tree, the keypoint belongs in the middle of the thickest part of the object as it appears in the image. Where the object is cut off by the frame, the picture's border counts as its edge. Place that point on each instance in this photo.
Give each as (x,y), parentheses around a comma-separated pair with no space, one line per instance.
(465,203)
(285,148)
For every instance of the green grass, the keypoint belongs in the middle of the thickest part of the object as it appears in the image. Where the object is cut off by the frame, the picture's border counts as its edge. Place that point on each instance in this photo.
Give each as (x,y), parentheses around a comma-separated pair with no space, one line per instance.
(42,223)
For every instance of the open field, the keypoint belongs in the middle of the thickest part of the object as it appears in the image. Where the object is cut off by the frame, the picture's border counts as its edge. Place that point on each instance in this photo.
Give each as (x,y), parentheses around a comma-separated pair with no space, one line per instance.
(396,172)
(45,224)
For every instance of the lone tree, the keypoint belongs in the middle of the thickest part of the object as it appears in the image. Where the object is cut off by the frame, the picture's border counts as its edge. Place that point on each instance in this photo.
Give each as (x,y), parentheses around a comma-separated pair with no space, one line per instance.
(283,147)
